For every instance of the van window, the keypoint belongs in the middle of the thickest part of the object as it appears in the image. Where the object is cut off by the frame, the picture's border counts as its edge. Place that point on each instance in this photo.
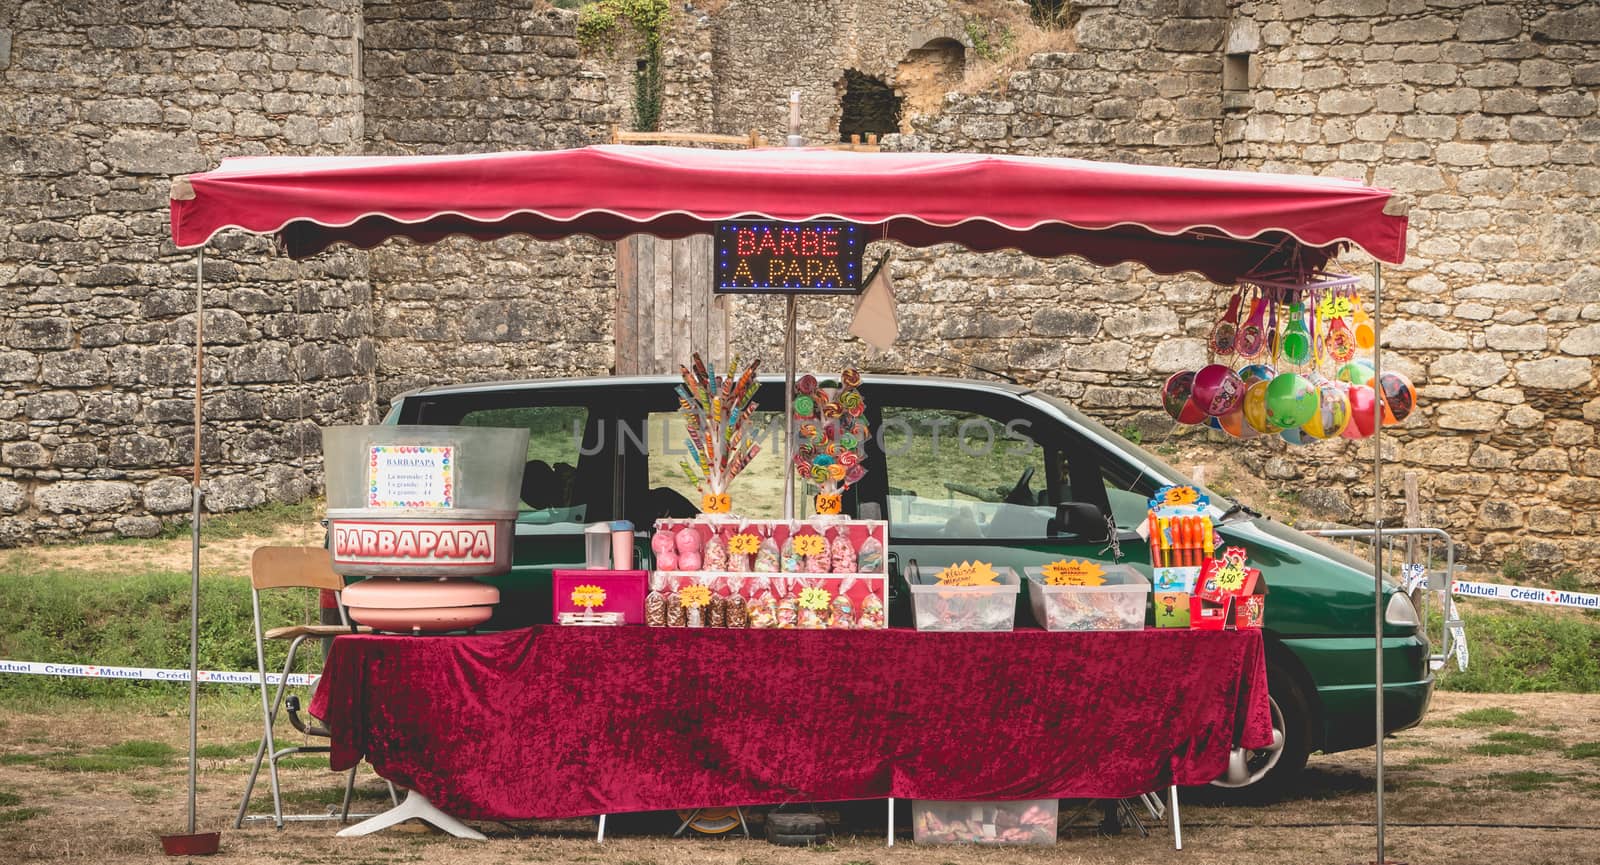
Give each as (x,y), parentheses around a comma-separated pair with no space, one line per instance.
(757,491)
(960,474)
(552,501)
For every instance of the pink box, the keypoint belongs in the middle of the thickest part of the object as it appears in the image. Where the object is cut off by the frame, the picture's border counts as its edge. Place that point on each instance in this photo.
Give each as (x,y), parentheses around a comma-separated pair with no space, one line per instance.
(625,591)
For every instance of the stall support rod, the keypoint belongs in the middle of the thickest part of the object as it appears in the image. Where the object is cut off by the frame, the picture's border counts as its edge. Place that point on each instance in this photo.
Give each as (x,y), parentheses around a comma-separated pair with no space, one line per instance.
(1377,531)
(890,831)
(788,406)
(194,522)
(1177,828)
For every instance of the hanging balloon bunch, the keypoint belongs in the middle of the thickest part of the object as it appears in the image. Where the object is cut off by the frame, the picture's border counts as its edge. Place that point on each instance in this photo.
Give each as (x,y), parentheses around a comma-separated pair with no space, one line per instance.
(1290,330)
(832,434)
(718,414)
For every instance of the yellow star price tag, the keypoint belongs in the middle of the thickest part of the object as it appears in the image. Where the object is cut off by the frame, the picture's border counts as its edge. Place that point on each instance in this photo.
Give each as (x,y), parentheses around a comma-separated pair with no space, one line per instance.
(588,597)
(968,574)
(809,545)
(744,544)
(695,596)
(1073,573)
(813,598)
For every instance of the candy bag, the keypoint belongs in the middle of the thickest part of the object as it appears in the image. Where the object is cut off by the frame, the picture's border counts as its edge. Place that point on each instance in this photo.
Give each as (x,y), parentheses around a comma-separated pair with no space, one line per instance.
(789,561)
(872,615)
(843,553)
(655,603)
(737,613)
(869,559)
(843,613)
(663,542)
(767,557)
(788,610)
(716,553)
(763,610)
(687,540)
(677,617)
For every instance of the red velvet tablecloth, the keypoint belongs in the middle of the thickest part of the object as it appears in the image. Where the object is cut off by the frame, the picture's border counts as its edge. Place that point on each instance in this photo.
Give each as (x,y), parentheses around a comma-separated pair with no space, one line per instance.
(561,722)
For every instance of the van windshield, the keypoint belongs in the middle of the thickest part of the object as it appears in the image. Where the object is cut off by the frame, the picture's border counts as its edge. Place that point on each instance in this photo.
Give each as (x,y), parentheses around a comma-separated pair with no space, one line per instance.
(1159,471)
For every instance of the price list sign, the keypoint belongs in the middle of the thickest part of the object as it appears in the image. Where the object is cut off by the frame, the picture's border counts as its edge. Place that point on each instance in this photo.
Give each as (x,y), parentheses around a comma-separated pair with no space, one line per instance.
(410,476)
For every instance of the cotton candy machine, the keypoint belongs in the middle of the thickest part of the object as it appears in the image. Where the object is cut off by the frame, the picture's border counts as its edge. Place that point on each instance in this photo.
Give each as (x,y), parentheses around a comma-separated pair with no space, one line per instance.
(426,508)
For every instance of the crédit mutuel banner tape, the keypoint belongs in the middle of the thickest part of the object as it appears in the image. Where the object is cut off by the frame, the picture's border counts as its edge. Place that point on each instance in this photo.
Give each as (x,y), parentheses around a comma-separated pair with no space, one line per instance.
(151,674)
(1526,594)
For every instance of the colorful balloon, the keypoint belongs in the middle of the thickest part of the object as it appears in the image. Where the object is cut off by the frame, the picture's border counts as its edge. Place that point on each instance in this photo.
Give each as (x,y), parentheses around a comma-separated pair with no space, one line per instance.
(1256,372)
(1333,412)
(1362,398)
(1234,424)
(1355,372)
(1399,397)
(1175,394)
(1217,389)
(1294,436)
(1291,400)
(1255,409)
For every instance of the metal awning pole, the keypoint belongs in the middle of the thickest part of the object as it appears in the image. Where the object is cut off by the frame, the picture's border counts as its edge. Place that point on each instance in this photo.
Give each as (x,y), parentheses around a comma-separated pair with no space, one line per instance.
(1377,527)
(194,523)
(788,406)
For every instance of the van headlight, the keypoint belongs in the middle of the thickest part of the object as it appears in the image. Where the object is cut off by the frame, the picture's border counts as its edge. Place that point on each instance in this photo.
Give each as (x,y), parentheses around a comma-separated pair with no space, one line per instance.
(1401,612)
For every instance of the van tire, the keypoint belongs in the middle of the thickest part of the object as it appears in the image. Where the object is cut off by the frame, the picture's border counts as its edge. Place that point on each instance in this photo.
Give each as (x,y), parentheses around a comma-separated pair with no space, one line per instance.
(1292,717)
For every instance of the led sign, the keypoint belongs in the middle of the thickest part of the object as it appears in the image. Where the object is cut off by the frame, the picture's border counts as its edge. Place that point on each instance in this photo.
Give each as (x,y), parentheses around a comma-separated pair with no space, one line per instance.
(754,257)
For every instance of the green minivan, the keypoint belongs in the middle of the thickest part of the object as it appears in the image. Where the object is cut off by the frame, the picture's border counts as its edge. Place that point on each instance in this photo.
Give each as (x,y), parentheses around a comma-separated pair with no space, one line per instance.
(961,470)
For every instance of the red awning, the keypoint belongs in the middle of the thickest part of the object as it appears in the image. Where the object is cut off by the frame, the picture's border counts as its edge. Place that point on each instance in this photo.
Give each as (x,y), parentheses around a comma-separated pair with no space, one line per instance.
(1223,224)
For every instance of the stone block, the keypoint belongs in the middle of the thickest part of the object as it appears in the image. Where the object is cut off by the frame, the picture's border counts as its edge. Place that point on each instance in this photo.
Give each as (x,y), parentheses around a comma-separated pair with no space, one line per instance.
(1469,415)
(1489,24)
(1055,321)
(13,497)
(1540,72)
(137,526)
(1157,322)
(1556,373)
(1581,24)
(1460,100)
(1428,126)
(1344,102)
(1549,519)
(1509,102)
(168,496)
(1526,337)
(85,497)
(1477,127)
(1102,30)
(1178,354)
(25,455)
(1570,103)
(1420,30)
(1547,460)
(1470,368)
(1582,341)
(1497,514)
(231,493)
(1490,75)
(1510,154)
(1487,457)
(81,455)
(40,332)
(140,151)
(1408,178)
(51,405)
(1100,356)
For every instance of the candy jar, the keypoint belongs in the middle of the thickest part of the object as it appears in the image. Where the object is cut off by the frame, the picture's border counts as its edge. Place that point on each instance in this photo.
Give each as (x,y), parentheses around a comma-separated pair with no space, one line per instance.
(655,603)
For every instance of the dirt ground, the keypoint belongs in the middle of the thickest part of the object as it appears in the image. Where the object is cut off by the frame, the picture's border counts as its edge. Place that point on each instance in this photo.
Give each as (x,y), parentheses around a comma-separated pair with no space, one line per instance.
(1486,779)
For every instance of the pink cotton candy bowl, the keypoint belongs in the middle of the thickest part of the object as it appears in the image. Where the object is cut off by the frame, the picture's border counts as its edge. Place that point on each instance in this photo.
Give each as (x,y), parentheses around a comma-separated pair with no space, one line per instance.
(420,606)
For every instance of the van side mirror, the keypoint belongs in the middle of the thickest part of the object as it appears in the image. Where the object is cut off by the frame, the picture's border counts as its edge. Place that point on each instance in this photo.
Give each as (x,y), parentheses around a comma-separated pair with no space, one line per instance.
(1079,519)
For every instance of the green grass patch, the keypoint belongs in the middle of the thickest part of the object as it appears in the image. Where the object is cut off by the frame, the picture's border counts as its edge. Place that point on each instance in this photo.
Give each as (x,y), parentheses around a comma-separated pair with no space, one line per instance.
(1499,749)
(1493,716)
(1524,782)
(148,794)
(9,799)
(17,815)
(1528,740)
(1585,751)
(1519,649)
(121,757)
(1430,761)
(227,751)
(143,750)
(20,759)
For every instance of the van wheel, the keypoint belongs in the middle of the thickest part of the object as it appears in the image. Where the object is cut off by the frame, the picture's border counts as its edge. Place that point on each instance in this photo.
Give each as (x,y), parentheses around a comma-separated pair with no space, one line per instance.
(1255,774)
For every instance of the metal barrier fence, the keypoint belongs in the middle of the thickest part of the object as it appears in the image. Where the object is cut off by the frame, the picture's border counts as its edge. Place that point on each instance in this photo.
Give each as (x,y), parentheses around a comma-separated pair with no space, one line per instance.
(1423,562)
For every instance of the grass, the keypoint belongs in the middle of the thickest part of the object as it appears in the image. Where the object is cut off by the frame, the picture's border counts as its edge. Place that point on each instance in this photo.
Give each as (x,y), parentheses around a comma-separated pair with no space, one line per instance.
(17,815)
(121,757)
(1430,761)
(1523,782)
(9,799)
(1585,750)
(1519,649)
(228,751)
(1494,716)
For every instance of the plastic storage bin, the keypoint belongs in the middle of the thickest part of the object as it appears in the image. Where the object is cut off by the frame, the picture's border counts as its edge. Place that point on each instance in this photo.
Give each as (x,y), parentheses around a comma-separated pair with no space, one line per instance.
(1025,821)
(964,608)
(422,501)
(1118,605)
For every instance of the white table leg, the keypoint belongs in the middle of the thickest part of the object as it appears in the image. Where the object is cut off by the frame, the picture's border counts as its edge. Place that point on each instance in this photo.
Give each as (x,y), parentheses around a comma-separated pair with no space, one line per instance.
(1177,831)
(415,805)
(891,821)
(600,837)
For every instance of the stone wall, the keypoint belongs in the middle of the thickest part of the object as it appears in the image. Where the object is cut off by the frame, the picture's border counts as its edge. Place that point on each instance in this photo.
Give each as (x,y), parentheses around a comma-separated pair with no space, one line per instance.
(1482,114)
(484,77)
(1485,114)
(100,104)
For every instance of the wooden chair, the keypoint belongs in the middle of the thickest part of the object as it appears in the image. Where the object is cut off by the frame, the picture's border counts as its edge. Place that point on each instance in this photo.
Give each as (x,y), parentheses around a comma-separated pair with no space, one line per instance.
(283,568)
